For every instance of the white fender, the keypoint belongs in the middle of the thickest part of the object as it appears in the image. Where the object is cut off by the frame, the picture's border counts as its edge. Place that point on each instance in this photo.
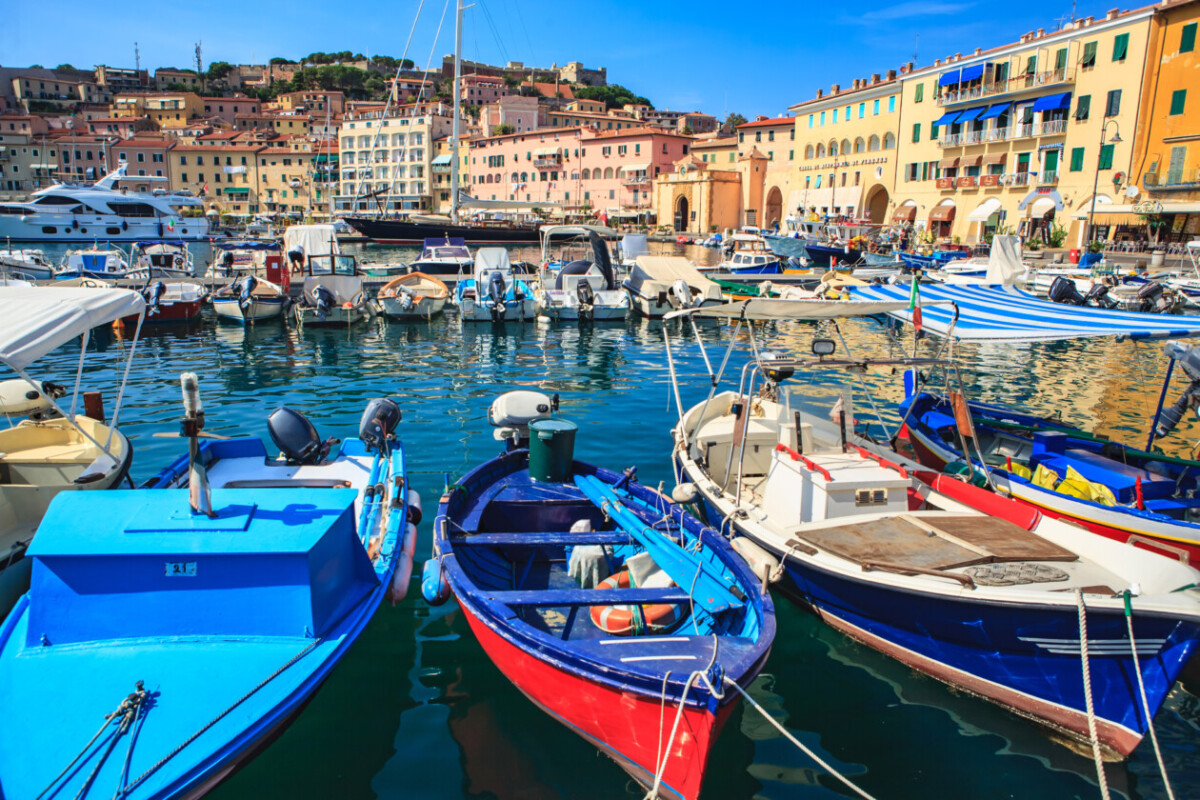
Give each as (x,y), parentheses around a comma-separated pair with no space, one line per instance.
(401,578)
(762,563)
(414,507)
(410,539)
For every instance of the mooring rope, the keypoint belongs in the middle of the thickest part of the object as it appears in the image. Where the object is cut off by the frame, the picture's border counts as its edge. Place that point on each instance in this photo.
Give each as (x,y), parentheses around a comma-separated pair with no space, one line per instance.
(1137,670)
(1087,695)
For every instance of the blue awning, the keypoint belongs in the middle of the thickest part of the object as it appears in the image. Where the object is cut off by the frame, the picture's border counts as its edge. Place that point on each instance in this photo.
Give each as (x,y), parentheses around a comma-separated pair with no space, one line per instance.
(1052,102)
(947,118)
(972,73)
(971,114)
(949,78)
(995,111)
(992,312)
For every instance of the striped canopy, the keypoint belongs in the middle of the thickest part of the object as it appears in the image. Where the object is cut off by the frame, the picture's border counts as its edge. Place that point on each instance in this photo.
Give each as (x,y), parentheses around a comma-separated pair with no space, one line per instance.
(1005,313)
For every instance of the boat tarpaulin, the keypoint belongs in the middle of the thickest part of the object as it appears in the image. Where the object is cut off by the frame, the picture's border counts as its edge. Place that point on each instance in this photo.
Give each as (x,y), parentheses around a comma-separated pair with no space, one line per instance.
(995,110)
(39,319)
(312,240)
(668,269)
(1052,102)
(949,78)
(764,308)
(947,118)
(991,312)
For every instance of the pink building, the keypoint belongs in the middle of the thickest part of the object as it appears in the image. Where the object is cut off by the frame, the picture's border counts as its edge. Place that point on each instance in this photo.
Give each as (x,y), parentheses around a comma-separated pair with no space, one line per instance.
(522,113)
(476,90)
(145,157)
(610,172)
(228,108)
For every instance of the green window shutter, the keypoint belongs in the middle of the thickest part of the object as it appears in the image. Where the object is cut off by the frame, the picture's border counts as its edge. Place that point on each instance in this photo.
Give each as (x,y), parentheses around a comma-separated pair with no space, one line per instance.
(1175,166)
(1121,47)
(1113,106)
(1031,65)
(1106,156)
(1060,58)
(1178,100)
(1089,55)
(1051,161)
(1187,39)
(1023,160)
(1001,73)
(920,93)
(1083,106)
(916,133)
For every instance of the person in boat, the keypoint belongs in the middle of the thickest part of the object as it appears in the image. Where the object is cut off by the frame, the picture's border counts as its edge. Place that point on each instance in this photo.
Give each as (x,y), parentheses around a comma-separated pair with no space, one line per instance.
(296,258)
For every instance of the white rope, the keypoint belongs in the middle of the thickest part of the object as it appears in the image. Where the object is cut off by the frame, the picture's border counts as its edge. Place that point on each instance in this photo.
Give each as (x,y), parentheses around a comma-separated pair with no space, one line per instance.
(1137,669)
(665,756)
(112,428)
(825,766)
(1087,695)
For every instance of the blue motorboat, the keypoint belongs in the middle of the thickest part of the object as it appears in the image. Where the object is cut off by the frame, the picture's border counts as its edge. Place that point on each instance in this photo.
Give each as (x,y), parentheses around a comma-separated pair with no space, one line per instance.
(170,631)
(601,599)
(494,293)
(937,260)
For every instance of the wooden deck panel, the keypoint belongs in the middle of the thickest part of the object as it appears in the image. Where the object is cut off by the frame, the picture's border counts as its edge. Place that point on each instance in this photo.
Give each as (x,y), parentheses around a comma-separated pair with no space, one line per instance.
(1003,539)
(893,540)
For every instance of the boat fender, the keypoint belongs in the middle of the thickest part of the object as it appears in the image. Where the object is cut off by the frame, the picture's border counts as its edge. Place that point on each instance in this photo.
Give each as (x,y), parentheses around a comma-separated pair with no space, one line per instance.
(398,589)
(434,588)
(761,563)
(624,620)
(685,493)
(124,224)
(414,507)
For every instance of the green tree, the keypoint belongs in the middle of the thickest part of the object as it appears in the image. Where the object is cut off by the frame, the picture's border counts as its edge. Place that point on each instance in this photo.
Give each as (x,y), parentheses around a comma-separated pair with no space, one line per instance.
(502,129)
(733,120)
(614,95)
(64,66)
(281,60)
(218,70)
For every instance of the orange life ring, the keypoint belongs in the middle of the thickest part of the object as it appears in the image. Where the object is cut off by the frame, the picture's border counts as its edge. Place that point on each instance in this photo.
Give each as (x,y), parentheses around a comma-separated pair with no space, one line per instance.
(632,620)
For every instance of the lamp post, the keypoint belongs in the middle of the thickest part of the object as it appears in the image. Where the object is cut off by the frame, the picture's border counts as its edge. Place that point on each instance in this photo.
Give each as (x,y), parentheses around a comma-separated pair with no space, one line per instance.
(1116,139)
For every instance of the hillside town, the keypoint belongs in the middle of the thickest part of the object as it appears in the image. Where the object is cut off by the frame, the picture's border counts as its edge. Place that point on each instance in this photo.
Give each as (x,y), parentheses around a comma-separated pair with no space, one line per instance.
(1031,137)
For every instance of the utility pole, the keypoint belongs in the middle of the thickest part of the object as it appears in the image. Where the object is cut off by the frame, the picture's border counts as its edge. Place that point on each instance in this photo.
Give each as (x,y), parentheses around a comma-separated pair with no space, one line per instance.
(199,66)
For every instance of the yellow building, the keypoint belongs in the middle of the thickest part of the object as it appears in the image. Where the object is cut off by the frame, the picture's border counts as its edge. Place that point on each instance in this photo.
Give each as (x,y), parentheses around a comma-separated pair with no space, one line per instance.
(698,198)
(1166,163)
(766,150)
(846,155)
(719,153)
(168,110)
(285,178)
(1014,138)
(226,176)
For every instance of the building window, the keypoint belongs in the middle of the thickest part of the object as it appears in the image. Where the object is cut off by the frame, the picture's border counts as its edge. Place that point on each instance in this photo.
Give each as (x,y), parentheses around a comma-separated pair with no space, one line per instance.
(1120,47)
(892,104)
(822,117)
(875,109)
(791,155)
(1077,159)
(1113,106)
(1187,39)
(741,137)
(1083,107)
(919,93)
(916,133)
(1175,166)
(770,136)
(1178,99)
(1060,60)
(1106,156)
(758,134)
(862,110)
(810,120)
(1089,56)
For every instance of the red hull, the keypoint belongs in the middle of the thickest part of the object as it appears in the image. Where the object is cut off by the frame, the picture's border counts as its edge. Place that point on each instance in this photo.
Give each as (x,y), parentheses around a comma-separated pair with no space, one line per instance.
(624,725)
(168,312)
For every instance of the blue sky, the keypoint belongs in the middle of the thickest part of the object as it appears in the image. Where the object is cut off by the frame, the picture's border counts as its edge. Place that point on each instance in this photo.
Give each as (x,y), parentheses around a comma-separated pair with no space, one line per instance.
(713,56)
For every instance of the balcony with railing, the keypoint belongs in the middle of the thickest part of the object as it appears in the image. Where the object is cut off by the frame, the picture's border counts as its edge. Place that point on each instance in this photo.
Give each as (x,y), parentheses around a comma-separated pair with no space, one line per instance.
(1018,83)
(945,183)
(634,181)
(1047,179)
(1173,181)
(1023,130)
(967,182)
(548,162)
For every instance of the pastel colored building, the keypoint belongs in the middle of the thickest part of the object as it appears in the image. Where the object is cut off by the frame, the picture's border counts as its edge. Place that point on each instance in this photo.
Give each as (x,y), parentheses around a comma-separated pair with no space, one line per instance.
(226,176)
(475,90)
(228,108)
(515,111)
(144,157)
(766,155)
(699,196)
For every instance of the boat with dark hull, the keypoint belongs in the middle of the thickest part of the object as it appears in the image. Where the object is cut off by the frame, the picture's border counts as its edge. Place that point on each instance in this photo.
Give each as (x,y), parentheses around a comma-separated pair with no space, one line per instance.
(392,230)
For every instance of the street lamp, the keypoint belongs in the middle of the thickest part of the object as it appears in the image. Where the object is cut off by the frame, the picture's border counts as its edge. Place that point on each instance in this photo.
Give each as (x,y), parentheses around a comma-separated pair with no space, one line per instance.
(1116,139)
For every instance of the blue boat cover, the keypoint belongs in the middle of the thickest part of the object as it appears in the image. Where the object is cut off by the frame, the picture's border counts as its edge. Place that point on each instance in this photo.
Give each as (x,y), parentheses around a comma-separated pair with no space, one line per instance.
(972,73)
(1006,313)
(1053,102)
(971,114)
(947,118)
(949,78)
(995,110)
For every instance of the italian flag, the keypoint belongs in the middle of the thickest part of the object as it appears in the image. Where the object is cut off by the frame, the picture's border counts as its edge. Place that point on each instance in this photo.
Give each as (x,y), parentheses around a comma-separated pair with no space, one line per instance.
(914,303)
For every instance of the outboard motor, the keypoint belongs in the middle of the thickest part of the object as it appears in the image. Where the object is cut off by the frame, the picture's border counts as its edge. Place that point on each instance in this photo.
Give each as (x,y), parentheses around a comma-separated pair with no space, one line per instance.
(1188,358)
(406,298)
(244,286)
(681,294)
(1063,291)
(153,295)
(511,413)
(496,292)
(1153,298)
(326,300)
(378,424)
(227,261)
(1098,296)
(296,437)
(587,298)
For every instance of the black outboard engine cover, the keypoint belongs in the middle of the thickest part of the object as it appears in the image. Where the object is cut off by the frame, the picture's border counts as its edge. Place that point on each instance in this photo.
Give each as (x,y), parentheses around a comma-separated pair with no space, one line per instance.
(153,295)
(379,421)
(326,300)
(587,297)
(227,260)
(1063,291)
(1098,296)
(496,287)
(1150,291)
(244,286)
(295,436)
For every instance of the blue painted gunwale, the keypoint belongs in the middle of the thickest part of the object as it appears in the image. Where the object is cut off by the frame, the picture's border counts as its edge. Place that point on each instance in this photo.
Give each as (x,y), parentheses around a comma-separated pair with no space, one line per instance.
(220,668)
(740,658)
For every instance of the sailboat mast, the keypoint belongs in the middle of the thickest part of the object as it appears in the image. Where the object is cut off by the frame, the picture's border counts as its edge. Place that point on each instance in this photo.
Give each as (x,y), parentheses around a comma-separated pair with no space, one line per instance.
(458,9)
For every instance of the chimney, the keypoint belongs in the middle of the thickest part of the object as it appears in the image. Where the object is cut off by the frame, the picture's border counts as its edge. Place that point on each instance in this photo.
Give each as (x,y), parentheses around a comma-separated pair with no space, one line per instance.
(874,77)
(820,93)
(978,50)
(910,66)
(854,85)
(1112,13)
(1041,32)
(891,74)
(937,62)
(1088,20)
(835,88)
(957,56)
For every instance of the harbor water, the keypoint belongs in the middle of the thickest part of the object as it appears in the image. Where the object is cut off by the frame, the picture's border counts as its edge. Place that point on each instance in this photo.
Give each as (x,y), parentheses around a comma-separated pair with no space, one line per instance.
(418,711)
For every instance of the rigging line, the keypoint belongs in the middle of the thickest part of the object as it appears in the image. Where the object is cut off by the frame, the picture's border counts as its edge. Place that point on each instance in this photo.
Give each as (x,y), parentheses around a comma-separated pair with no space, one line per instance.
(487,13)
(432,47)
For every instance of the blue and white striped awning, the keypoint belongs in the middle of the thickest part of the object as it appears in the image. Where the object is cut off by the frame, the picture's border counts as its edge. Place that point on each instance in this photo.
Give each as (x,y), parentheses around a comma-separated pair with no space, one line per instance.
(1006,313)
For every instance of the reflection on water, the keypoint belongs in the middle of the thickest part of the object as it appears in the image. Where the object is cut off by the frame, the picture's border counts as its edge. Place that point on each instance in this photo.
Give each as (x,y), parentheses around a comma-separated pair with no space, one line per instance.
(417,710)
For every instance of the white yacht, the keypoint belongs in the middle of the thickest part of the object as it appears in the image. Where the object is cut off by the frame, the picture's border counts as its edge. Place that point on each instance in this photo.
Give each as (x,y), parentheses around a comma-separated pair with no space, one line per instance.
(75,212)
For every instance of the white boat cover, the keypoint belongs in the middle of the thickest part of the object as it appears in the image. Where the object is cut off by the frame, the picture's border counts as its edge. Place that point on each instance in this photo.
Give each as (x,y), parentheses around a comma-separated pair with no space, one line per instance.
(36,320)
(313,240)
(487,258)
(1004,260)
(1007,313)
(668,269)
(762,308)
(633,245)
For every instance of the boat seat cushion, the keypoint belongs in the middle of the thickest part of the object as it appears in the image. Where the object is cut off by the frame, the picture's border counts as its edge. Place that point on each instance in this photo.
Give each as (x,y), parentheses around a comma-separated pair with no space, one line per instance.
(1120,477)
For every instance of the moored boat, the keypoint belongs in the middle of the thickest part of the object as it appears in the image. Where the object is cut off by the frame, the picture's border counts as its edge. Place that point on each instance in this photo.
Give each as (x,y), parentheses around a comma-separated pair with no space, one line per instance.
(170,302)
(494,293)
(413,296)
(249,299)
(577,279)
(603,601)
(658,285)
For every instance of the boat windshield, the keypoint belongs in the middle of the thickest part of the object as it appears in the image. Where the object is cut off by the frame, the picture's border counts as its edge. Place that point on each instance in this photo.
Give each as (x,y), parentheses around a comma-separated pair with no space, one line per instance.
(335,264)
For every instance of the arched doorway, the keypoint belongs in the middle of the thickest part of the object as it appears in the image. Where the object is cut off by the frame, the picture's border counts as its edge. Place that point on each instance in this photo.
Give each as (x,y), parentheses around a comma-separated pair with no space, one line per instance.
(681,213)
(877,204)
(773,215)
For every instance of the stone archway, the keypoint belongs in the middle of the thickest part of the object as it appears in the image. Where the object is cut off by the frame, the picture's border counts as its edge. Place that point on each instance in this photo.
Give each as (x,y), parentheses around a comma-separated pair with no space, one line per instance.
(877,204)
(682,208)
(773,213)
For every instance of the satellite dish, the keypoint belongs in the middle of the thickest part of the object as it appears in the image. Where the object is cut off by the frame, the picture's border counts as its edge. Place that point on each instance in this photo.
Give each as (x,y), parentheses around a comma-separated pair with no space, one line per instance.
(1132,191)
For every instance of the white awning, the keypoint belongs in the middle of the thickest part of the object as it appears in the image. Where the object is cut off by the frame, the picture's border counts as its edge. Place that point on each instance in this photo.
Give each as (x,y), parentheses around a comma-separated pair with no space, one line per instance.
(984,210)
(634,168)
(444,159)
(312,240)
(43,166)
(546,151)
(36,320)
(1041,206)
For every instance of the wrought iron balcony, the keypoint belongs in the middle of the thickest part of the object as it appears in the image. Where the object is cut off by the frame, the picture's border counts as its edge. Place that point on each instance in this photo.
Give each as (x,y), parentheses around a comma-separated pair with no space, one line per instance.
(1018,83)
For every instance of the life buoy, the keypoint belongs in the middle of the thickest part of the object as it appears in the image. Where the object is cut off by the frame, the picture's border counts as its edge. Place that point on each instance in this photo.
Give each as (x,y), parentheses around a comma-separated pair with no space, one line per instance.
(633,620)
